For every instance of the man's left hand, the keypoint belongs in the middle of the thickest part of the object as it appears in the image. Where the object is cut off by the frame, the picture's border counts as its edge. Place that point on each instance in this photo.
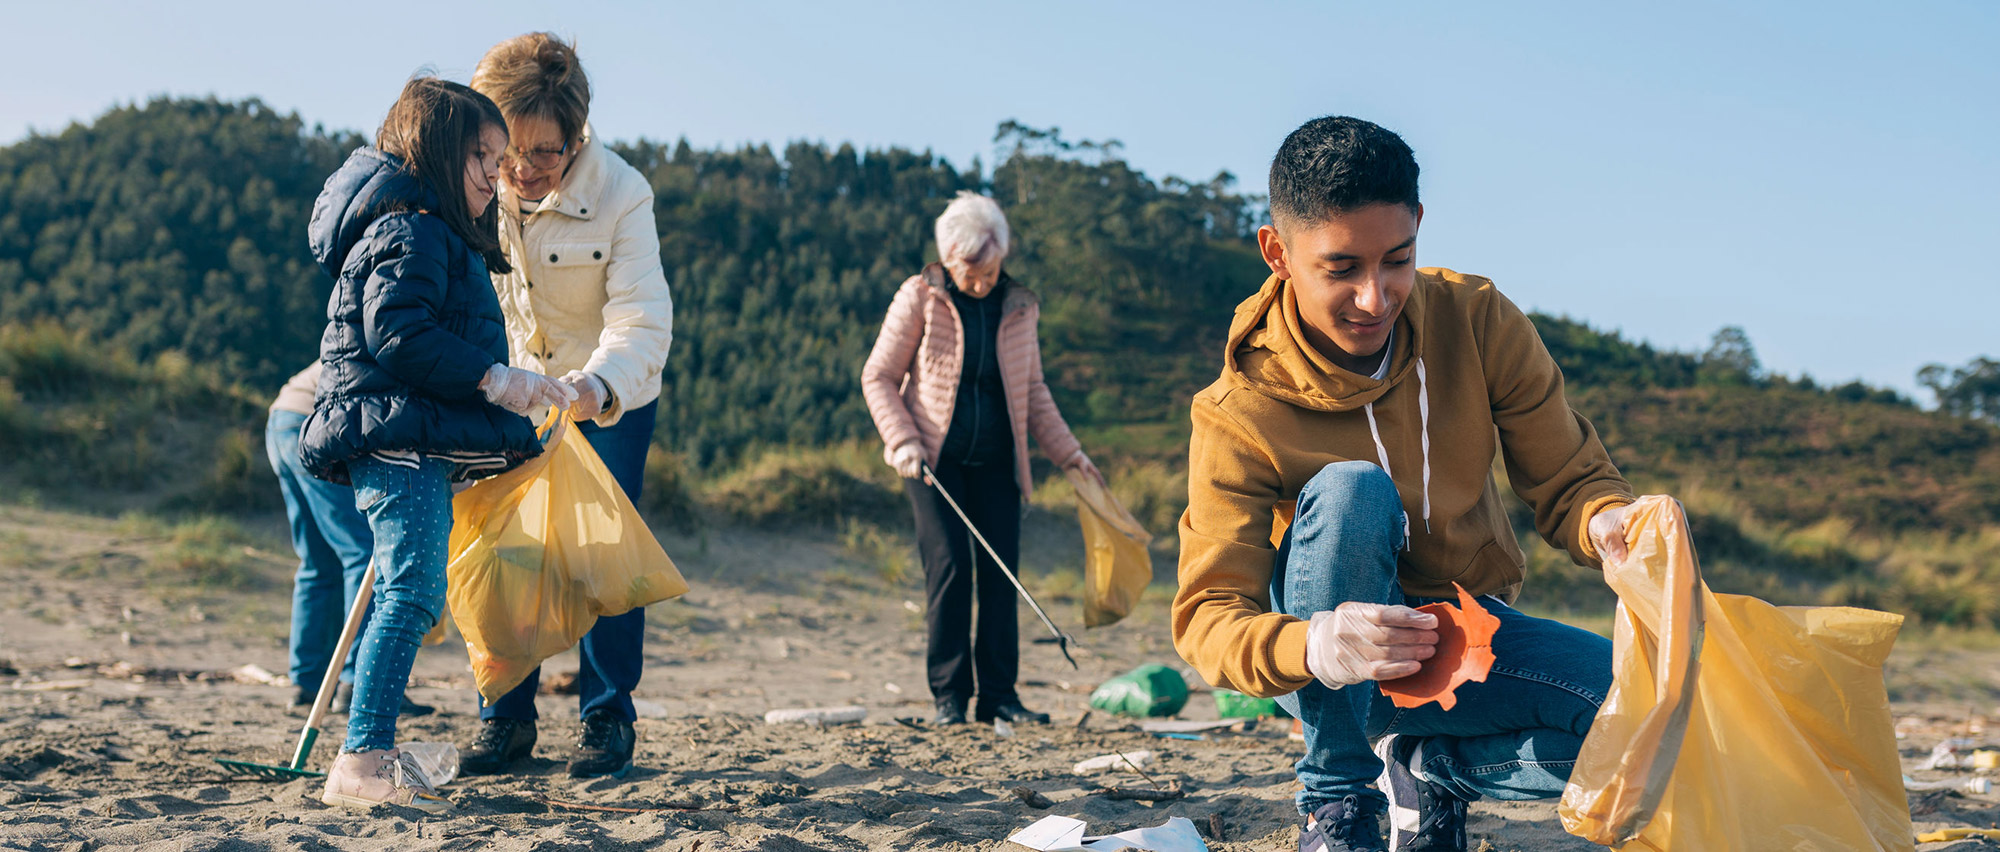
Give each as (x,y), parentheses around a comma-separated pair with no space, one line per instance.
(1607,533)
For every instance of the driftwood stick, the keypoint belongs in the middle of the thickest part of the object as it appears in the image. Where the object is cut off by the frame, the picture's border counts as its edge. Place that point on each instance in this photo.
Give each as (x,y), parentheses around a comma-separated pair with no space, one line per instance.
(665,806)
(1128,794)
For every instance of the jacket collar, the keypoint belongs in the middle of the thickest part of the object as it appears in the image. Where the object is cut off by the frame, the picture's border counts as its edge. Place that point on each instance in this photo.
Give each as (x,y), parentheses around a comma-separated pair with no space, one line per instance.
(1267,351)
(1016,298)
(581,189)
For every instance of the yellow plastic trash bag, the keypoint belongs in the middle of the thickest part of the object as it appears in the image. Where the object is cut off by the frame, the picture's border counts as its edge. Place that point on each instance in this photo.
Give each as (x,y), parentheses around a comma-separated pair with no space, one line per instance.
(1733,724)
(539,552)
(1116,565)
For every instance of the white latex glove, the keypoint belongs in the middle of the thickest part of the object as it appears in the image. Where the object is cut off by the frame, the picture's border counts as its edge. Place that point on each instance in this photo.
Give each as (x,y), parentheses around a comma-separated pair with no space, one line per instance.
(1081,464)
(1607,533)
(1364,641)
(592,395)
(908,461)
(523,392)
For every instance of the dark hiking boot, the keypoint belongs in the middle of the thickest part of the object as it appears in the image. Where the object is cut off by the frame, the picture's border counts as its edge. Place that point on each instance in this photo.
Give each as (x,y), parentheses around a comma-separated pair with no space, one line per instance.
(1010,710)
(950,711)
(1423,817)
(1348,825)
(603,746)
(500,742)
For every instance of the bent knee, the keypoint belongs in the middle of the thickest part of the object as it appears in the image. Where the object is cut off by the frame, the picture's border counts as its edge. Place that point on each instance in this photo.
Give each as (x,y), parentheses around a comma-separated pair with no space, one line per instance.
(1355,486)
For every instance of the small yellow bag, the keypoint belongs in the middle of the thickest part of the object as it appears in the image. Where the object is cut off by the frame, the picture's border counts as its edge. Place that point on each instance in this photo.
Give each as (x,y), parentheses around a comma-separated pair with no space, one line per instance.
(1116,564)
(539,552)
(1733,724)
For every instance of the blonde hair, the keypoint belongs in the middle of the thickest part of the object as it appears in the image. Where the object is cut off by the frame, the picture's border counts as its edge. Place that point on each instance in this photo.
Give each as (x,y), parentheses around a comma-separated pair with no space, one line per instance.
(972,229)
(537,76)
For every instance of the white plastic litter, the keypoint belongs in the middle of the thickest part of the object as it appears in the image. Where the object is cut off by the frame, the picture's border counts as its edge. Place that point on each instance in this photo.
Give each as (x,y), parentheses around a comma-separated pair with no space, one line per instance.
(816,716)
(439,761)
(1114,761)
(1063,834)
(1975,786)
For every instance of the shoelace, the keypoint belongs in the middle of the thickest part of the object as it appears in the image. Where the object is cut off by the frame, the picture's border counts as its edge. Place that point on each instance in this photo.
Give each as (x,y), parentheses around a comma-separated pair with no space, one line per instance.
(597,733)
(405,773)
(493,736)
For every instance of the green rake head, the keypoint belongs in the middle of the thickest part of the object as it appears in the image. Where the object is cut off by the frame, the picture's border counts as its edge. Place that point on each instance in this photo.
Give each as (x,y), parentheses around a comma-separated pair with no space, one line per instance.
(265,772)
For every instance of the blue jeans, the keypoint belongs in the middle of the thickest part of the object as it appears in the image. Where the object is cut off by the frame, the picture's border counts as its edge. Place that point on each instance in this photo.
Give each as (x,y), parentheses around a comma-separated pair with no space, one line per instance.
(613,653)
(333,544)
(1513,737)
(409,509)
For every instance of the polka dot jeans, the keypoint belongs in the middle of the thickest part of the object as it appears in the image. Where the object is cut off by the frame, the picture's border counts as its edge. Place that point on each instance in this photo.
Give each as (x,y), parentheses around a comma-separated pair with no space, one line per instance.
(409,510)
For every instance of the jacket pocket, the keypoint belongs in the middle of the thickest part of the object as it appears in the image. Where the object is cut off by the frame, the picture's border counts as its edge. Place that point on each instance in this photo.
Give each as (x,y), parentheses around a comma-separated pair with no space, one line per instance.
(572,275)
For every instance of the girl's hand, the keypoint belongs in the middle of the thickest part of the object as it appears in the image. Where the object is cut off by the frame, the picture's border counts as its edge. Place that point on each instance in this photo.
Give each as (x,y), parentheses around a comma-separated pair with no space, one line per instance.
(523,392)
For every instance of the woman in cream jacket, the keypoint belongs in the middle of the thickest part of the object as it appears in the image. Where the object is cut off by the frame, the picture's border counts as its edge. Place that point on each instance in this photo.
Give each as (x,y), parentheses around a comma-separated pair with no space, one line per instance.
(586,302)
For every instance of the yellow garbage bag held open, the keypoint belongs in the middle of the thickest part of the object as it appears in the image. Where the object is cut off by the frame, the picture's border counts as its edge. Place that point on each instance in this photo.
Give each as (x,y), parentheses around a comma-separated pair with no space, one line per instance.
(539,552)
(1116,564)
(1733,724)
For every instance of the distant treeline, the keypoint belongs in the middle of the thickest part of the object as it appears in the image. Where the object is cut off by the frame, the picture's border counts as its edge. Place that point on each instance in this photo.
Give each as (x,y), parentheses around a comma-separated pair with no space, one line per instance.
(178,226)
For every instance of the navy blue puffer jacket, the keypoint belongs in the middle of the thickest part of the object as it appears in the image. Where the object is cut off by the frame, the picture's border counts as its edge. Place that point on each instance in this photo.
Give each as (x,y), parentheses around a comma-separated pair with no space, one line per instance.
(411,329)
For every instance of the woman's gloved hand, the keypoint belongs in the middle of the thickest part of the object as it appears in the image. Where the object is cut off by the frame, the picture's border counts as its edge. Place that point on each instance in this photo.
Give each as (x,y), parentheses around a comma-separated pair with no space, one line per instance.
(592,394)
(523,391)
(908,460)
(1364,641)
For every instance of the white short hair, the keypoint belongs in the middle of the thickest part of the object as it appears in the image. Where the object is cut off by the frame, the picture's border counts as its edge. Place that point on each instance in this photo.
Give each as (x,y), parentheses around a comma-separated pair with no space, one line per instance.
(971,228)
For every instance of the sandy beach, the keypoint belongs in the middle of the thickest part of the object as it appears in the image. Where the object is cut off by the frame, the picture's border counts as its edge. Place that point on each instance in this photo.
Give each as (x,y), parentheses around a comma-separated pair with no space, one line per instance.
(115,699)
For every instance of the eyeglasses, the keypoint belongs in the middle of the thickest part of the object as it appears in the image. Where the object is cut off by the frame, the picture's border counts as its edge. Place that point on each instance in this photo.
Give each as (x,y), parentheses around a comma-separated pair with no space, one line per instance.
(541,158)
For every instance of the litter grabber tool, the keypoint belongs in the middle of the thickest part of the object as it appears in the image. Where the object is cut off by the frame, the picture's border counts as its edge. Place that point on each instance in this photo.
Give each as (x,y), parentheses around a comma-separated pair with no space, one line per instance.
(310,733)
(1061,639)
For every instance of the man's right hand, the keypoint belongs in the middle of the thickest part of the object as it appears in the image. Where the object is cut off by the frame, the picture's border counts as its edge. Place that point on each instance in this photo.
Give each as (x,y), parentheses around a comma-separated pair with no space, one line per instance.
(1364,641)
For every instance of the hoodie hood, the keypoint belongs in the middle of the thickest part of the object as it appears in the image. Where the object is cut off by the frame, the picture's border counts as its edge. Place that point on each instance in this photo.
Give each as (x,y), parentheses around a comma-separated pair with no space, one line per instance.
(1268,353)
(370,184)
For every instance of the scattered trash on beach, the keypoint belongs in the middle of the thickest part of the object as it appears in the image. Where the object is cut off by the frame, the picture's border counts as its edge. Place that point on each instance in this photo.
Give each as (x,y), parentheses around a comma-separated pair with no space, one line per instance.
(816,716)
(1063,834)
(1114,761)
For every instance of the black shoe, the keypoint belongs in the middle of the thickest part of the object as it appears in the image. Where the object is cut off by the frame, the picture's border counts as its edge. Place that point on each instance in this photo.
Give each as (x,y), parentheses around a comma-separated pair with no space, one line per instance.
(343,701)
(1348,825)
(1423,817)
(500,742)
(1010,710)
(950,711)
(603,747)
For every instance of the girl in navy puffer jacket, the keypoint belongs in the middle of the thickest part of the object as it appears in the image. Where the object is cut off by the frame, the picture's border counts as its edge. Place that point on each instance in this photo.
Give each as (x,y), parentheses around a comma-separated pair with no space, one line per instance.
(416,392)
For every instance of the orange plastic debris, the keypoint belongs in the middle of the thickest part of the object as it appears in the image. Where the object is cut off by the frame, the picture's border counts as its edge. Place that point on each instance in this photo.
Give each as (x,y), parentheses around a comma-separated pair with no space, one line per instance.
(1464,653)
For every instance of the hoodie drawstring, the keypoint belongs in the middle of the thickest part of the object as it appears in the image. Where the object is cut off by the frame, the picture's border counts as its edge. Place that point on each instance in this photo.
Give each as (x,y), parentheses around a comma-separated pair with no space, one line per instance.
(1382,450)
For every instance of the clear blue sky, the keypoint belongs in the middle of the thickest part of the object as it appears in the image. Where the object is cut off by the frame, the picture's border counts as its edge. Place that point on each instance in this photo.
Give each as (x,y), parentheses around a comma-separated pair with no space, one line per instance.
(1824,174)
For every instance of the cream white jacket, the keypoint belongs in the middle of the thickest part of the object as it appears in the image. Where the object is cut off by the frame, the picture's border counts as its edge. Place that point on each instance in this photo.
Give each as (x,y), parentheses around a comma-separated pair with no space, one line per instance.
(587,292)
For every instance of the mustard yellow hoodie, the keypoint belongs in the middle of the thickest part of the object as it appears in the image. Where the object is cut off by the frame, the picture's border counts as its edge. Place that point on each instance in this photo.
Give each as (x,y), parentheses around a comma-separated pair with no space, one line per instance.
(1469,377)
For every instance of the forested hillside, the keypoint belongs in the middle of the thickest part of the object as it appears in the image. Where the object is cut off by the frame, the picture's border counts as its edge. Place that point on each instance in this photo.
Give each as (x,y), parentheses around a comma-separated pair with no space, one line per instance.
(170,236)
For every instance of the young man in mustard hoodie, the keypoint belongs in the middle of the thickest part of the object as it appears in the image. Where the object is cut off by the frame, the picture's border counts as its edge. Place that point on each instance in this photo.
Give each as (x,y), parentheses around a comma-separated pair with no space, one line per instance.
(1340,474)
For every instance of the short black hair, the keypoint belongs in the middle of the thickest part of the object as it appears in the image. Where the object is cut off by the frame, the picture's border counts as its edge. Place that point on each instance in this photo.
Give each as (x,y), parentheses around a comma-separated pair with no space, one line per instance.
(1338,163)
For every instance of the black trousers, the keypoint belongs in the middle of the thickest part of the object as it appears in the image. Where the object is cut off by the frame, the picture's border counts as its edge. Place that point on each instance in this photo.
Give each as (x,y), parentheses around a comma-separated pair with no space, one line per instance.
(965,657)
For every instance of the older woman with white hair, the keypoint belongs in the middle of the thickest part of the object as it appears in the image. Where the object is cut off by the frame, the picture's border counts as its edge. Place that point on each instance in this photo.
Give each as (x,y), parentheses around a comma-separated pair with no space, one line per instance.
(955,383)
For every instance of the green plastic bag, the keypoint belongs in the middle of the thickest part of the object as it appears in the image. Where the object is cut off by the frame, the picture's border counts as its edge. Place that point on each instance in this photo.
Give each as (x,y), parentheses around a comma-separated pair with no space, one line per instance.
(1230,704)
(1149,690)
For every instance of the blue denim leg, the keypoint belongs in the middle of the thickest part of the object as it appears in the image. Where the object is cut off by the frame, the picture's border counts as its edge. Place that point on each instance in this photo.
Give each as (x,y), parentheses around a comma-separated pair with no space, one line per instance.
(612,653)
(333,544)
(1341,547)
(409,510)
(1516,735)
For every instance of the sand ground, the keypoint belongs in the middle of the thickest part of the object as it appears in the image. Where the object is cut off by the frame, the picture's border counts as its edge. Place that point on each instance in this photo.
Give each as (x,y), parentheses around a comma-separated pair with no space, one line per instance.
(114,701)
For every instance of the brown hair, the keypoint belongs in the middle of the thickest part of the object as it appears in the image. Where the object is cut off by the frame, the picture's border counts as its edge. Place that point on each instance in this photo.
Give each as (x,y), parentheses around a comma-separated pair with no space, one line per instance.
(538,76)
(434,128)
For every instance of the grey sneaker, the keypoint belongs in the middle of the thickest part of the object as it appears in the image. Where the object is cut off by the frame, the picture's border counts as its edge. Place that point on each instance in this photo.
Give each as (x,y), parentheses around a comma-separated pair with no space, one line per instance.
(1423,816)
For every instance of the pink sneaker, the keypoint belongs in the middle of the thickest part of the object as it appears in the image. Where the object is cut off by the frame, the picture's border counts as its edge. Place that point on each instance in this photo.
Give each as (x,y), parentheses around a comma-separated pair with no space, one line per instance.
(364,779)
